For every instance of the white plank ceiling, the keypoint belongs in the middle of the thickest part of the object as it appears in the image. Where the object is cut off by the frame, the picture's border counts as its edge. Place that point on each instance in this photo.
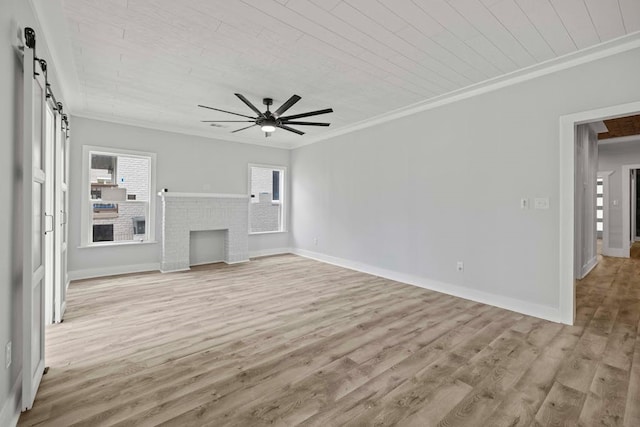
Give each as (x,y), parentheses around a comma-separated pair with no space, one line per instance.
(152,61)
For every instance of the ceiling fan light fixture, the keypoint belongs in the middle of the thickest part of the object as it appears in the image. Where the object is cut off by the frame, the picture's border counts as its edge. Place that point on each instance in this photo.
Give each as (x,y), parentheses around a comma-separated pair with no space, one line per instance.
(270,121)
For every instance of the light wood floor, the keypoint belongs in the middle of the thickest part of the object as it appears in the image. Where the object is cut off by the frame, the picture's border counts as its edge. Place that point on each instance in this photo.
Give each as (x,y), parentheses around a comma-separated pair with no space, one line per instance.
(289,341)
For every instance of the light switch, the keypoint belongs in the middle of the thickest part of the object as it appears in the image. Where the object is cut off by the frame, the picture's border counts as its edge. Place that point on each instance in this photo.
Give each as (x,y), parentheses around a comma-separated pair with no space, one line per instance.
(541,203)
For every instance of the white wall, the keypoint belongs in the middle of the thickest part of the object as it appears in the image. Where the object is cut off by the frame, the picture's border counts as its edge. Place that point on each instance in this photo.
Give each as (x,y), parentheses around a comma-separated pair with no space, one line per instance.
(10,286)
(184,164)
(411,197)
(611,158)
(13,13)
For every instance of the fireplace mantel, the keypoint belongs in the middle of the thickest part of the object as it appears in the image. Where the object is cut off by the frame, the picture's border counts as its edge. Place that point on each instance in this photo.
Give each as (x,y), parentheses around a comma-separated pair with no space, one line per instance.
(203,195)
(183,213)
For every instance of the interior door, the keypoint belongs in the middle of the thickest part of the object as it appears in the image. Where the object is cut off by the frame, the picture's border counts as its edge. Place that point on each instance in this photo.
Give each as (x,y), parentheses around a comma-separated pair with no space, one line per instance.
(61,209)
(34,227)
(49,209)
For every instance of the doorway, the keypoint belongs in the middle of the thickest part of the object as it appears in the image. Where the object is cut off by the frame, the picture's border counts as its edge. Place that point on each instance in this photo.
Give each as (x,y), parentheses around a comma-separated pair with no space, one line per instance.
(630,211)
(568,208)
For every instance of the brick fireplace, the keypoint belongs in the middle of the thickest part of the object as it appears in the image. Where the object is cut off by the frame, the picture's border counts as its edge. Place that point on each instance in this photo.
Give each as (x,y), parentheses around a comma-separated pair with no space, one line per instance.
(183,213)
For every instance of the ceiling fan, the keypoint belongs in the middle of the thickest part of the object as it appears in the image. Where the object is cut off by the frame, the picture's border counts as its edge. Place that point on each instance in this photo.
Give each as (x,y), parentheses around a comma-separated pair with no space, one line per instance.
(270,121)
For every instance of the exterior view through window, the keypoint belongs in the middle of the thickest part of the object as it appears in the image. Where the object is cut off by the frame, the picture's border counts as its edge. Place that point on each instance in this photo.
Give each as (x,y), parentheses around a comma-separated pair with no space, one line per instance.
(266,210)
(119,203)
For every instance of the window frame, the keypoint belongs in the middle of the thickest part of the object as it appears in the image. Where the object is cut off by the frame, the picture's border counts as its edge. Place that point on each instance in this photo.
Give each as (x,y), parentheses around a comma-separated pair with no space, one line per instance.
(283,202)
(85,211)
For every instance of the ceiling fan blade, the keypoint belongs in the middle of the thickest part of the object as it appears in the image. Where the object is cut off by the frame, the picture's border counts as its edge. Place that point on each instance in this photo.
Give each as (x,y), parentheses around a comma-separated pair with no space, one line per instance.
(226,121)
(249,104)
(288,104)
(238,130)
(225,111)
(286,122)
(285,127)
(311,113)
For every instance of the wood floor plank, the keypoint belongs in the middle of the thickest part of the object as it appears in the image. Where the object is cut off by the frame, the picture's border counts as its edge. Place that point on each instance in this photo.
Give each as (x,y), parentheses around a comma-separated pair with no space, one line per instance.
(562,406)
(326,387)
(427,367)
(605,404)
(285,340)
(632,407)
(516,410)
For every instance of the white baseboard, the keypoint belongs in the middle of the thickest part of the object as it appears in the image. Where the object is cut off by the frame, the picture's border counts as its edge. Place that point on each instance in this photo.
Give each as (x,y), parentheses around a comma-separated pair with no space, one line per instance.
(139,268)
(615,252)
(204,263)
(112,271)
(269,252)
(237,262)
(177,270)
(524,307)
(10,411)
(586,269)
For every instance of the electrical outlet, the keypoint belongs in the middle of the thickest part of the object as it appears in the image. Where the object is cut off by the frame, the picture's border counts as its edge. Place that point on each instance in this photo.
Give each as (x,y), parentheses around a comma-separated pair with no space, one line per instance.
(315,241)
(460,266)
(524,203)
(7,355)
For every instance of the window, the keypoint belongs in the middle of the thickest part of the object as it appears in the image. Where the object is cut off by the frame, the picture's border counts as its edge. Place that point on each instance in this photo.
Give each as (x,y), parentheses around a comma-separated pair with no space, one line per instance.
(267,207)
(119,204)
(599,207)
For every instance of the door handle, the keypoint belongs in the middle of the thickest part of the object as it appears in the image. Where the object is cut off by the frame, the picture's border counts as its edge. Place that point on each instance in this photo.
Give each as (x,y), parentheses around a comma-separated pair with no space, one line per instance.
(45,223)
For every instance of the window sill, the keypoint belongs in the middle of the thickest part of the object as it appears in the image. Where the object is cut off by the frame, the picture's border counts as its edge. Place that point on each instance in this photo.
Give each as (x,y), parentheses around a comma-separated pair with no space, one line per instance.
(266,232)
(111,244)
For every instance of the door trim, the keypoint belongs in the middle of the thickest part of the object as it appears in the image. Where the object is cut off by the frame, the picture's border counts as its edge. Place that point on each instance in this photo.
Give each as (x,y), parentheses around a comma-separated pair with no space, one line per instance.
(626,208)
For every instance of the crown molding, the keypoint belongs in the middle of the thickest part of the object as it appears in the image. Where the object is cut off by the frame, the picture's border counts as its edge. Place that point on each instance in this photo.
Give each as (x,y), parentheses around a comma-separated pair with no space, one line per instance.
(270,142)
(59,48)
(603,50)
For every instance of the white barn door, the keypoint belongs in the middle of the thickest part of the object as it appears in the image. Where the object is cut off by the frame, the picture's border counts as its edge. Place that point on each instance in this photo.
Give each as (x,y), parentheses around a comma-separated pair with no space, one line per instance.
(61,281)
(36,223)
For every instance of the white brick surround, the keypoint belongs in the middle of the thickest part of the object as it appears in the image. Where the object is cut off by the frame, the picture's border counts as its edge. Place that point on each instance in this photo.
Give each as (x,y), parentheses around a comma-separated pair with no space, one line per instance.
(186,212)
